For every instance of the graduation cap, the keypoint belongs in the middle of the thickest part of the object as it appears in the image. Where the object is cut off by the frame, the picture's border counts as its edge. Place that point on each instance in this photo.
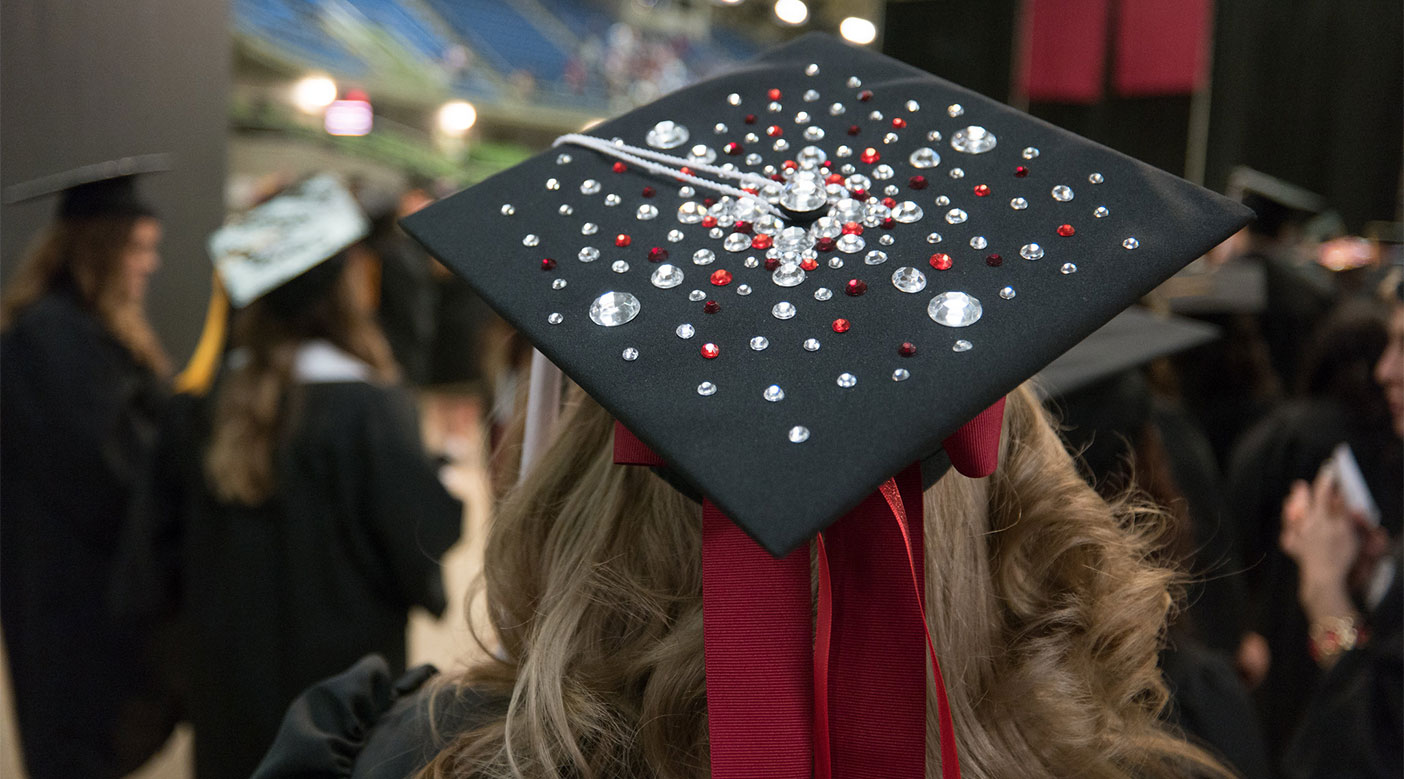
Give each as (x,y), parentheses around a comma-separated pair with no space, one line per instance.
(1131,339)
(283,238)
(102,189)
(792,282)
(1275,202)
(1238,286)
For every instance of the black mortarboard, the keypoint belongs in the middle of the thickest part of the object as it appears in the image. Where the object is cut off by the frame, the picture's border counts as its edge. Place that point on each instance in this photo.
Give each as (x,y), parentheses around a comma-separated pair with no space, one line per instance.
(1275,202)
(1238,286)
(1132,338)
(785,374)
(103,189)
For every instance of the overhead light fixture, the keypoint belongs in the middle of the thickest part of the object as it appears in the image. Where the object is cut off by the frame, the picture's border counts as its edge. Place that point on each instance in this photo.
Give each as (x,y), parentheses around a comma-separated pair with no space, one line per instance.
(457,117)
(352,116)
(313,93)
(858,30)
(792,12)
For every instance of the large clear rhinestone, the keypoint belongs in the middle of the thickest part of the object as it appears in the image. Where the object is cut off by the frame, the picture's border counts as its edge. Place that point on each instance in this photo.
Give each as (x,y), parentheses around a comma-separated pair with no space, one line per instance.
(811,157)
(614,308)
(667,134)
(850,243)
(1031,251)
(788,275)
(907,212)
(685,331)
(848,209)
(589,254)
(925,157)
(703,257)
(973,140)
(909,279)
(954,309)
(826,227)
(1062,193)
(737,242)
(803,194)
(793,239)
(783,310)
(666,276)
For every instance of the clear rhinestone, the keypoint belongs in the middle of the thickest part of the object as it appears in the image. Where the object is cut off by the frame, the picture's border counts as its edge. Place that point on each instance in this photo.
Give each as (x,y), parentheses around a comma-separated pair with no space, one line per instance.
(612,200)
(1007,293)
(691,212)
(836,109)
(716,232)
(555,318)
(789,274)
(783,310)
(957,173)
(891,190)
(875,257)
(685,331)
(883,172)
(793,239)
(813,133)
(646,212)
(562,159)
(954,309)
(854,82)
(749,138)
(630,354)
(773,393)
(889,138)
(666,276)
(759,343)
(925,157)
(811,344)
(913,106)
(558,284)
(1100,212)
(1062,193)
(706,389)
(812,69)
(751,262)
(848,209)
(619,266)
(719,128)
(906,212)
(780,145)
(1130,243)
(1018,204)
(589,187)
(979,242)
(955,216)
(886,239)
(743,289)
(1029,152)
(973,140)
(908,279)
(1031,251)
(836,262)
(696,295)
(876,116)
(803,194)
(799,434)
(1068,268)
(826,227)
(811,157)
(955,109)
(737,242)
(843,151)
(962,346)
(675,236)
(850,243)
(933,238)
(846,380)
(934,136)
(530,239)
(901,374)
(589,254)
(802,117)
(566,209)
(589,228)
(614,308)
(754,159)
(733,99)
(774,108)
(553,184)
(508,209)
(1095,178)
(703,257)
(702,153)
(942,201)
(822,294)
(686,191)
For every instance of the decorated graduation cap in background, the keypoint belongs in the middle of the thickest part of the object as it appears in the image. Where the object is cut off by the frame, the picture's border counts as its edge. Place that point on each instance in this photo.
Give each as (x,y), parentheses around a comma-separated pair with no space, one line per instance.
(791,285)
(277,241)
(102,189)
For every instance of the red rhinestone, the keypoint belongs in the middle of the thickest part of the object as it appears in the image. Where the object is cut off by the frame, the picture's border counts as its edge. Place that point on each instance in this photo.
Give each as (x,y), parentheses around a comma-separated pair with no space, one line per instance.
(941,261)
(869,156)
(840,325)
(709,221)
(852,228)
(774,94)
(761,242)
(776,177)
(825,244)
(733,148)
(907,349)
(858,193)
(721,278)
(854,129)
(865,95)
(834,178)
(711,307)
(750,119)
(855,287)
(774,131)
(648,192)
(890,202)
(621,240)
(548,264)
(1021,172)
(742,227)
(888,223)
(685,169)
(809,264)
(657,254)
(750,190)
(917,182)
(620,167)
(899,122)
(771,263)
(981,190)
(709,201)
(710,351)
(1067,231)
(789,164)
(994,260)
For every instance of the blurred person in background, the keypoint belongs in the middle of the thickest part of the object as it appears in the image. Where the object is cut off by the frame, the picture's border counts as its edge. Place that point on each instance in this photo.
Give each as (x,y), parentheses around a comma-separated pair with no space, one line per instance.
(83,384)
(407,297)
(292,517)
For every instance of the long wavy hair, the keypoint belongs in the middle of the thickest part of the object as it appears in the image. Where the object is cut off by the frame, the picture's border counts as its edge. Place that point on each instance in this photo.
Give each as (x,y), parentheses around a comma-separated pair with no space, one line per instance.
(256,403)
(1046,603)
(86,256)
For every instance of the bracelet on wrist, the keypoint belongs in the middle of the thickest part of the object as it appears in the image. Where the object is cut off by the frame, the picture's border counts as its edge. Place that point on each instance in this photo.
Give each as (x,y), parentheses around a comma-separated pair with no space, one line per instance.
(1330,636)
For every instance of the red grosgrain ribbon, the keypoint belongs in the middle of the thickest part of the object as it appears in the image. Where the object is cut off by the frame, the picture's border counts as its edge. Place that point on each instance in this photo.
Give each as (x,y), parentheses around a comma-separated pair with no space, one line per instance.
(974,448)
(629,450)
(756,629)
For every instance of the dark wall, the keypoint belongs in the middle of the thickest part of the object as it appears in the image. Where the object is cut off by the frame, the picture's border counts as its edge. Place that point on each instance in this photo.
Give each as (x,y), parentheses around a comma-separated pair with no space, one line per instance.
(83,82)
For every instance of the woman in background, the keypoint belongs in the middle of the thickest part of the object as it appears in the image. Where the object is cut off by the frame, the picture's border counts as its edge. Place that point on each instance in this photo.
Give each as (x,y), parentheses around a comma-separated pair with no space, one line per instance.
(82,374)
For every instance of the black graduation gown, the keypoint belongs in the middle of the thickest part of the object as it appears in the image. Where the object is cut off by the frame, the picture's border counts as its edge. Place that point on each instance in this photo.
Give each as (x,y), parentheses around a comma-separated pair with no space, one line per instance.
(280,595)
(77,414)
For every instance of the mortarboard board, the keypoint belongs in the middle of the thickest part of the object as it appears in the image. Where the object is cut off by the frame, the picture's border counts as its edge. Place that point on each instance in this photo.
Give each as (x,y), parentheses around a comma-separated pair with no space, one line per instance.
(102,189)
(793,282)
(786,365)
(1131,339)
(281,239)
